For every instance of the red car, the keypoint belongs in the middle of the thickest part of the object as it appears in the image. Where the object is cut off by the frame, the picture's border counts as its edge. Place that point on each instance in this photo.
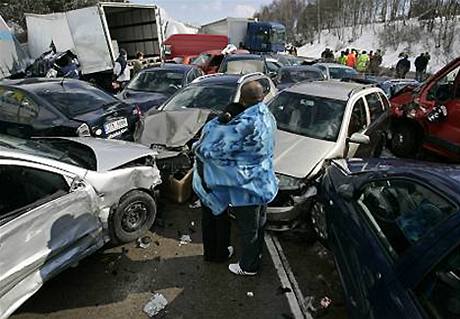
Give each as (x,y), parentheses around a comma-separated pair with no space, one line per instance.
(187,45)
(428,116)
(209,61)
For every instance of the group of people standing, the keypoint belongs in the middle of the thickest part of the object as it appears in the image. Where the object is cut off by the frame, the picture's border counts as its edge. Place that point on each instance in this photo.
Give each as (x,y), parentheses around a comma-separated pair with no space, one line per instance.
(421,63)
(363,62)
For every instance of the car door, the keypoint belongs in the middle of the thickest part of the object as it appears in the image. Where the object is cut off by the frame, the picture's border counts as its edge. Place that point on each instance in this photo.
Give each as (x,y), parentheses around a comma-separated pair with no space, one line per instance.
(379,117)
(358,123)
(445,94)
(48,220)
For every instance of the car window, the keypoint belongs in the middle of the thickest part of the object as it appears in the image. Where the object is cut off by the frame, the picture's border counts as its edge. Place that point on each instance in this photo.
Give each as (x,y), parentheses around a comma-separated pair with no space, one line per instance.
(202,59)
(214,97)
(358,119)
(340,73)
(443,89)
(17,106)
(272,67)
(216,61)
(403,211)
(159,80)
(375,106)
(311,116)
(439,292)
(192,75)
(386,103)
(24,188)
(243,66)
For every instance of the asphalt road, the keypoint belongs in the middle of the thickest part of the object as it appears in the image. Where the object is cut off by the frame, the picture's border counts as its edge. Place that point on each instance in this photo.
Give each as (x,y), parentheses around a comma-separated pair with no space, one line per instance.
(118,281)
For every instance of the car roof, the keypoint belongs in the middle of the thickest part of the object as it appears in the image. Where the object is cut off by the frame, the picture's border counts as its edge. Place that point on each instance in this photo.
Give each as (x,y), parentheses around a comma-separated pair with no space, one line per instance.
(355,166)
(36,84)
(244,57)
(300,68)
(171,66)
(335,65)
(224,78)
(328,89)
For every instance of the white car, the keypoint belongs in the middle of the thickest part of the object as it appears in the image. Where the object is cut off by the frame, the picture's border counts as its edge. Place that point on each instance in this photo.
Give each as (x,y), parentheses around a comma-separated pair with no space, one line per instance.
(62,199)
(318,121)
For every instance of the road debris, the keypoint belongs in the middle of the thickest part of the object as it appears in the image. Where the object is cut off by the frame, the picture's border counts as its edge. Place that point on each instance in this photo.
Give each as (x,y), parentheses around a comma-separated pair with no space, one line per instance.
(250,294)
(195,205)
(325,302)
(157,303)
(144,242)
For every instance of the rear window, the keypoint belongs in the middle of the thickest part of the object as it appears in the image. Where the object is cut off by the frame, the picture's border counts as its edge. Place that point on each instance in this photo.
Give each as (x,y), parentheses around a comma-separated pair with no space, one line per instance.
(243,66)
(74,100)
(340,73)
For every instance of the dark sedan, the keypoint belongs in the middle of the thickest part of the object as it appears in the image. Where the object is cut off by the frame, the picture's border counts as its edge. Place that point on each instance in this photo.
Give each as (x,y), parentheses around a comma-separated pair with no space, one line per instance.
(152,86)
(289,75)
(63,107)
(394,227)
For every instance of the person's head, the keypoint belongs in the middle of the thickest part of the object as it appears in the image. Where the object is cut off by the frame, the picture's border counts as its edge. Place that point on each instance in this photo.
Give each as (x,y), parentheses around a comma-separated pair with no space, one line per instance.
(371,53)
(379,51)
(364,51)
(342,53)
(251,93)
(123,52)
(426,53)
(347,51)
(406,56)
(139,55)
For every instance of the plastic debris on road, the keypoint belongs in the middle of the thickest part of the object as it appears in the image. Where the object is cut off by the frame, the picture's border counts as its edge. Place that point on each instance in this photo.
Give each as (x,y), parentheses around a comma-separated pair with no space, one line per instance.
(185,239)
(325,302)
(250,294)
(157,303)
(144,242)
(194,205)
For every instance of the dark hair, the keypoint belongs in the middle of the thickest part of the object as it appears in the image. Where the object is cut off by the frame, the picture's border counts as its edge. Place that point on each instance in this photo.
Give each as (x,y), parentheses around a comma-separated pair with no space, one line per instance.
(139,54)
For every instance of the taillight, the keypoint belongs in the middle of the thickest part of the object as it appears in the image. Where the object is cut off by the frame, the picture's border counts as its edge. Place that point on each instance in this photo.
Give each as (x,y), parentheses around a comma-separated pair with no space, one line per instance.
(137,111)
(83,130)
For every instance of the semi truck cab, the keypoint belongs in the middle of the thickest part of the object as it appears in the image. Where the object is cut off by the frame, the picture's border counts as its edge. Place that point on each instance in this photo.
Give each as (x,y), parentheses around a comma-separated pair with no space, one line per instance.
(265,37)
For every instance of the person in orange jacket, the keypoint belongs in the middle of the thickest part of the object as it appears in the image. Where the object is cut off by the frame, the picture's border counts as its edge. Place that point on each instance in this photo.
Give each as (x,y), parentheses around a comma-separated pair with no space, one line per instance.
(351,59)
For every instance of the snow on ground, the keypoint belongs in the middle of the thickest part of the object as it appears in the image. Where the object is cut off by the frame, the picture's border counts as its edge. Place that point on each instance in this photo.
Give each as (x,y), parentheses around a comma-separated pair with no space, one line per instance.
(370,40)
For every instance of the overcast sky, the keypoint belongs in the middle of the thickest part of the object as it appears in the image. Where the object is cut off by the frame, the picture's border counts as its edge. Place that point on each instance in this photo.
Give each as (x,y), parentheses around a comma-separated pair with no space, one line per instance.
(199,12)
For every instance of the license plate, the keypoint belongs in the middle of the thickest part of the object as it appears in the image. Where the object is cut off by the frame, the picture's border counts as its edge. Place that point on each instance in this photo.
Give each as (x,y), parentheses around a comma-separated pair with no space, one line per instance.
(115,125)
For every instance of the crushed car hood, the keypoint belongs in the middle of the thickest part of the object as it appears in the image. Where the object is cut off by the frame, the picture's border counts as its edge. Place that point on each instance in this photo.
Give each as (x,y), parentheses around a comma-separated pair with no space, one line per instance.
(171,128)
(107,152)
(297,155)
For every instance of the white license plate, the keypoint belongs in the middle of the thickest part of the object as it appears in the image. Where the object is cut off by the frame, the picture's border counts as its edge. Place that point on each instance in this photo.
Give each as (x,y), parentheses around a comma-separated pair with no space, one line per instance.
(115,125)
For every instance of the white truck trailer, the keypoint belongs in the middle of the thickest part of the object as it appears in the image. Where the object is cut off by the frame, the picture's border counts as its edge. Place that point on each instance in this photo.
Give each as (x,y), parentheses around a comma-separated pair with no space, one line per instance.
(95,33)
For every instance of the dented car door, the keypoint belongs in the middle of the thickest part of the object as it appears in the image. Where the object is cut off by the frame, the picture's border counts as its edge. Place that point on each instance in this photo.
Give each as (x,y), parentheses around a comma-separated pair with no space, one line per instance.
(48,221)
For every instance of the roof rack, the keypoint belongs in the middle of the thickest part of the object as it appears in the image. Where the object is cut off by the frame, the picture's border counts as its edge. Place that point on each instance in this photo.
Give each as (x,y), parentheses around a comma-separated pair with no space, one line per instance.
(206,76)
(249,75)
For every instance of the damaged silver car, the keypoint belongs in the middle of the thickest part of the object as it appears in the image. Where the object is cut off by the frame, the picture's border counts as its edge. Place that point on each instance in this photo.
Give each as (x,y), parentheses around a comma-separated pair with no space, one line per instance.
(319,121)
(62,199)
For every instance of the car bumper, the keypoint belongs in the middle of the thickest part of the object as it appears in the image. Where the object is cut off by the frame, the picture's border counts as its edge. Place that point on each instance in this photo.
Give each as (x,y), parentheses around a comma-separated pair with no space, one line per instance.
(286,217)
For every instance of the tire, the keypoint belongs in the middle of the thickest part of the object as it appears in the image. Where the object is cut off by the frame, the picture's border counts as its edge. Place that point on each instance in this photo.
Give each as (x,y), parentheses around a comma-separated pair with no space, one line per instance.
(319,222)
(133,217)
(405,141)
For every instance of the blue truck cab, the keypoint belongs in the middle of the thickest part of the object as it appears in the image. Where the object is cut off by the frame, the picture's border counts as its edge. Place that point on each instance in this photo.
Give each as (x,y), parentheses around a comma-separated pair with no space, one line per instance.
(265,37)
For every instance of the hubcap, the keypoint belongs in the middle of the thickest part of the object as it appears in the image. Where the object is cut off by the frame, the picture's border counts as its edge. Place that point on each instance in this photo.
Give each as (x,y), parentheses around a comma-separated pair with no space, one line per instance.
(134,216)
(318,216)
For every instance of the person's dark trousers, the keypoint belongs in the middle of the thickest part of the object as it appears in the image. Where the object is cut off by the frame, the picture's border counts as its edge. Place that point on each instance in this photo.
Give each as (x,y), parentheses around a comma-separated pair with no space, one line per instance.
(216,235)
(419,74)
(251,223)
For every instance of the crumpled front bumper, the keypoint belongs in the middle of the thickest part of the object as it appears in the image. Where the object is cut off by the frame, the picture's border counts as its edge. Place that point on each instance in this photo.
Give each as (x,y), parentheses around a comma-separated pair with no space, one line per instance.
(287,210)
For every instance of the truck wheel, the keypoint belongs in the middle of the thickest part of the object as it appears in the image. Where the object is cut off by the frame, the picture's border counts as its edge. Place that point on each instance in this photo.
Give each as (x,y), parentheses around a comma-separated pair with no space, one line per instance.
(405,141)
(133,217)
(318,219)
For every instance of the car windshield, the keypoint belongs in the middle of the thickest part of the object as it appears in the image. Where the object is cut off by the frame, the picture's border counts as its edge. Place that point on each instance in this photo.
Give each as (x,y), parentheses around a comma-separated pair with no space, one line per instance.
(310,116)
(202,59)
(214,97)
(294,76)
(340,73)
(161,81)
(243,66)
(76,100)
(278,36)
(54,150)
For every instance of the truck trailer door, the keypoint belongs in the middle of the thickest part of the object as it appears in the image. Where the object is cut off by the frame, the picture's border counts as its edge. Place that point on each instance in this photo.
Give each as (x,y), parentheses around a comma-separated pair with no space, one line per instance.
(90,39)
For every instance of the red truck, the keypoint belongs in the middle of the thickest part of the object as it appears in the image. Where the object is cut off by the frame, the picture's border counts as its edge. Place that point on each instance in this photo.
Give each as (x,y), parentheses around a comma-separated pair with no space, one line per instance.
(185,46)
(428,116)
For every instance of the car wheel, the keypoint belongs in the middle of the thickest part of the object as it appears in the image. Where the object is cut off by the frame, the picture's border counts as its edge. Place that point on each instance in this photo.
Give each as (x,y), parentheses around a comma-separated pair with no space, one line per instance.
(404,141)
(133,217)
(318,219)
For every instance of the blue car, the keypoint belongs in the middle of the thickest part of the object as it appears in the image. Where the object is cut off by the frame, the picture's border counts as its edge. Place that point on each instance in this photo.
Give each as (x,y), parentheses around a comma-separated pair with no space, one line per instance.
(394,227)
(152,86)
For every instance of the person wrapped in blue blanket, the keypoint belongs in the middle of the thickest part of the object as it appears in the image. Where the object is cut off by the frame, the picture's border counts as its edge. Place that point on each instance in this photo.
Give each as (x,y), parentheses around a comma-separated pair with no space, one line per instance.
(234,169)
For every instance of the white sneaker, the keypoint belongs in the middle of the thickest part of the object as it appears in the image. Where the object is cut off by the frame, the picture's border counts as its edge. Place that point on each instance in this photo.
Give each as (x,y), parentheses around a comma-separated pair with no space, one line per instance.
(230,251)
(236,269)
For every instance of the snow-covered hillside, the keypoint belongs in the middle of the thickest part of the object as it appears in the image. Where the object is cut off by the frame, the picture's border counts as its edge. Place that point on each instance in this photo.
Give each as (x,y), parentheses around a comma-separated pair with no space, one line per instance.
(370,39)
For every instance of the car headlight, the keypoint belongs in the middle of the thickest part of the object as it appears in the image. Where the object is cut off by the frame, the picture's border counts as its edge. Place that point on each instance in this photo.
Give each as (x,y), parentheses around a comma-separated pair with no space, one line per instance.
(83,130)
(290,183)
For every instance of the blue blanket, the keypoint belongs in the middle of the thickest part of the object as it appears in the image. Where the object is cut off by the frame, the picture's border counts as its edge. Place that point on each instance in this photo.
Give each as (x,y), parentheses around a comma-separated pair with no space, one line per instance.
(237,161)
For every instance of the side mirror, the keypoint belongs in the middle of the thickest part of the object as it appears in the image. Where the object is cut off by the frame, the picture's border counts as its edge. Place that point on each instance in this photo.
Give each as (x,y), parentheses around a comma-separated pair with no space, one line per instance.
(359,138)
(346,191)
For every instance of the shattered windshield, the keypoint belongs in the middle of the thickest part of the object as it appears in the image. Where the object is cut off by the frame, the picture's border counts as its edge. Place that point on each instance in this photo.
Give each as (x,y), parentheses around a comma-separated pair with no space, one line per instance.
(74,100)
(53,149)
(310,116)
(215,97)
(161,81)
